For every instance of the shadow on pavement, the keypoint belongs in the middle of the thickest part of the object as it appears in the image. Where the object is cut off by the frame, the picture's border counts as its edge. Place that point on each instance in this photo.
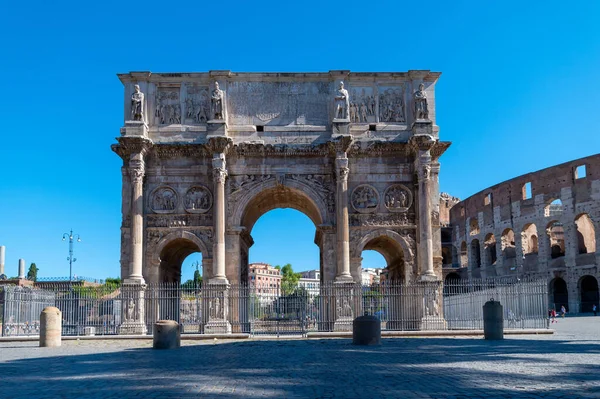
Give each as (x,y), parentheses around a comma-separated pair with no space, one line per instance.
(429,367)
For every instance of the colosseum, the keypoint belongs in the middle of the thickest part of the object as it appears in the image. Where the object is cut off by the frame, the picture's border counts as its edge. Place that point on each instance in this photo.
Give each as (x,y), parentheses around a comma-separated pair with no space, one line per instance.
(543,224)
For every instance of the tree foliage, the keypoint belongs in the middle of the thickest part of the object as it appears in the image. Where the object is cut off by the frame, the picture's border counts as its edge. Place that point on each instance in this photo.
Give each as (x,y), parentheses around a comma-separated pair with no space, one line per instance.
(32,273)
(289,279)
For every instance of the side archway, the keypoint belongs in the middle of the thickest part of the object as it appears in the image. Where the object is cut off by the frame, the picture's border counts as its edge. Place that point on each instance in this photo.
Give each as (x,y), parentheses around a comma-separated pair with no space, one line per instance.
(394,248)
(169,254)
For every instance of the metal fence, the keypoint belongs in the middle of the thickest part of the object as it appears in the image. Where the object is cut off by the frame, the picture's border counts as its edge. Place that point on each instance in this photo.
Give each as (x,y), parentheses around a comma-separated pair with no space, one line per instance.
(258,310)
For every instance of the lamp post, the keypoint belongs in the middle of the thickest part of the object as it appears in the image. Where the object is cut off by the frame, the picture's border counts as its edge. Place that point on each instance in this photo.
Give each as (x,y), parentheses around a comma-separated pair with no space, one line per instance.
(71,259)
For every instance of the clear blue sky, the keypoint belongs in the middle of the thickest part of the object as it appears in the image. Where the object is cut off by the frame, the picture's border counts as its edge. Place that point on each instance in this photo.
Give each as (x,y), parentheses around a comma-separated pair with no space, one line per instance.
(519,92)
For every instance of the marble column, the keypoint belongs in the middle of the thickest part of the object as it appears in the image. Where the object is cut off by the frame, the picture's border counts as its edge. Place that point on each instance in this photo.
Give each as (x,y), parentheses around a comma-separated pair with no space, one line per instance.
(219,177)
(426,239)
(343,229)
(136,174)
(218,146)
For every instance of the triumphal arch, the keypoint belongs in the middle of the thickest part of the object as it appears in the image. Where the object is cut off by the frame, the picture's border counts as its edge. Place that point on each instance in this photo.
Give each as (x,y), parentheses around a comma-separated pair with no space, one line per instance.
(206,154)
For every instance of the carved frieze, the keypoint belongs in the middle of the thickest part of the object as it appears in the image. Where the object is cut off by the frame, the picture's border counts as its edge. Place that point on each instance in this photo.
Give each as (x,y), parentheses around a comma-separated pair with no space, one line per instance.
(397,198)
(391,104)
(197,104)
(364,199)
(168,108)
(163,200)
(173,221)
(198,199)
(397,219)
(362,105)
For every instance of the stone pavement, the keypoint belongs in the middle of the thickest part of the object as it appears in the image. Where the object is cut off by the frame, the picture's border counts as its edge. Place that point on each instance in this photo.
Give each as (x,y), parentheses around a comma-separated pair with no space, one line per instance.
(564,365)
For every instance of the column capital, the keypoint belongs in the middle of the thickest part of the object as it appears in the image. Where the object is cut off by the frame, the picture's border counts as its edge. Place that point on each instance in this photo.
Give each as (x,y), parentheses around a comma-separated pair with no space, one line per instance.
(137,169)
(341,168)
(421,142)
(340,144)
(219,144)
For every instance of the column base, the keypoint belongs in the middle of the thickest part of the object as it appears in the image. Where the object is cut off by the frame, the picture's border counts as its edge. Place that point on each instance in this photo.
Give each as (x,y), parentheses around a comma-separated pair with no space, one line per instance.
(345,304)
(429,277)
(343,279)
(219,281)
(430,323)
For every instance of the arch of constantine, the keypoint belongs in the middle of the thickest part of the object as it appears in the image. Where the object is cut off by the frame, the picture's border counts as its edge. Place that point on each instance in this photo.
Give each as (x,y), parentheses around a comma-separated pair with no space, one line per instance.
(544,224)
(206,154)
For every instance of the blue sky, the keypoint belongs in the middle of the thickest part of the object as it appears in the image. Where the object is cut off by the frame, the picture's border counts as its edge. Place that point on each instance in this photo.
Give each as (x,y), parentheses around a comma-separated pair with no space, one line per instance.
(518,92)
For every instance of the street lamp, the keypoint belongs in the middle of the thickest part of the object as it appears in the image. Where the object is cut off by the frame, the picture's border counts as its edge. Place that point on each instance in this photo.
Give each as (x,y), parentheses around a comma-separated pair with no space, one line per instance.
(71,259)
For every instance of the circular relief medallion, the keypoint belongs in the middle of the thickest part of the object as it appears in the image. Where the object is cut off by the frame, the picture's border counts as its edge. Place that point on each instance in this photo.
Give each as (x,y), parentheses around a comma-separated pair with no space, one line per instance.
(198,199)
(397,198)
(163,200)
(365,199)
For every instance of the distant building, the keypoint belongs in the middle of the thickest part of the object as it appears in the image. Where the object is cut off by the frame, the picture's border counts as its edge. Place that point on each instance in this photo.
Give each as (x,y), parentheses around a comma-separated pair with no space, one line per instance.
(265,278)
(371,276)
(311,274)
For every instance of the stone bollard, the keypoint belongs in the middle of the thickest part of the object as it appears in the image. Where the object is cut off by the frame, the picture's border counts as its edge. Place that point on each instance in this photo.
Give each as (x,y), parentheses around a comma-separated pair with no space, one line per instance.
(50,327)
(166,335)
(366,330)
(493,321)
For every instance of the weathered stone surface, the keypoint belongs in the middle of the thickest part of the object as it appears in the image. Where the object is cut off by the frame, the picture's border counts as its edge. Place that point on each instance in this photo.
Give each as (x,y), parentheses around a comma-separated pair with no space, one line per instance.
(223,148)
(50,327)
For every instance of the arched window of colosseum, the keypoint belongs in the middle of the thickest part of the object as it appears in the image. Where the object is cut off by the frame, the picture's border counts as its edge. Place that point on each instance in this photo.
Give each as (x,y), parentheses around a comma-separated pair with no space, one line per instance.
(490,248)
(508,244)
(556,237)
(473,227)
(475,254)
(464,257)
(447,256)
(586,236)
(554,208)
(530,239)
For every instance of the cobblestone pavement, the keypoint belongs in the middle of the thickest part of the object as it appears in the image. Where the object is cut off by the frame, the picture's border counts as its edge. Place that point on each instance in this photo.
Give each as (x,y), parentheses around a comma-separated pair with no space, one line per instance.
(564,365)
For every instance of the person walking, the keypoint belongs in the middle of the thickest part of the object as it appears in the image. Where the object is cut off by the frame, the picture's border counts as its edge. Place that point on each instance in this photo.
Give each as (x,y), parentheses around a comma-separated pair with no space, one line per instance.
(553,316)
(563,311)
(594,309)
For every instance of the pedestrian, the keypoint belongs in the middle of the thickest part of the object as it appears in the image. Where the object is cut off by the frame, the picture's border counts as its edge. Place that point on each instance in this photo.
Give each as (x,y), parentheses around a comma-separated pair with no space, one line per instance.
(563,311)
(594,309)
(553,316)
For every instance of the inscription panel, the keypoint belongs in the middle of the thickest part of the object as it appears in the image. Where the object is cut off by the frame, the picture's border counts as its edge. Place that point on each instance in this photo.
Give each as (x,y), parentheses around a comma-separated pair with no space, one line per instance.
(278,103)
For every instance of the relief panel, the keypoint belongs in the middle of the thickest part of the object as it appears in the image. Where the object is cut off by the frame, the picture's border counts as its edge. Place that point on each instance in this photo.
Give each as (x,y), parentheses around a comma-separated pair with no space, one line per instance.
(392,105)
(168,108)
(364,199)
(197,104)
(397,198)
(363,105)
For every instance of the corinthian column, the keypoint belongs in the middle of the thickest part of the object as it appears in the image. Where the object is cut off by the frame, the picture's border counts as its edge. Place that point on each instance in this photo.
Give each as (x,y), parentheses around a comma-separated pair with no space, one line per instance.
(422,145)
(342,144)
(136,175)
(219,145)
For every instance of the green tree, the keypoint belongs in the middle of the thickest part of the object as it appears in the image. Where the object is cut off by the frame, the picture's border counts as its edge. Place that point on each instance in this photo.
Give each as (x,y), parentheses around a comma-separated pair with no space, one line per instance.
(32,273)
(289,279)
(113,282)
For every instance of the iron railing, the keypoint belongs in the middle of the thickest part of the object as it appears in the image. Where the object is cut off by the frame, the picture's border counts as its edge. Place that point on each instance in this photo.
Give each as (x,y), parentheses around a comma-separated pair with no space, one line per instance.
(258,310)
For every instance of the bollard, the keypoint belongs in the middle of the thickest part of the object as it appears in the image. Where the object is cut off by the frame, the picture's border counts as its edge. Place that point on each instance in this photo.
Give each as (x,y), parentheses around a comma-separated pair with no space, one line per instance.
(493,321)
(50,327)
(366,330)
(166,335)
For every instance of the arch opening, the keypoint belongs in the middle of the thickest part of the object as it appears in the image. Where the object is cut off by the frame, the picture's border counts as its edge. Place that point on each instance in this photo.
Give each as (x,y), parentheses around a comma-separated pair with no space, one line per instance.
(172,257)
(588,290)
(475,254)
(529,239)
(554,208)
(464,255)
(556,238)
(392,253)
(558,293)
(490,249)
(508,244)
(586,235)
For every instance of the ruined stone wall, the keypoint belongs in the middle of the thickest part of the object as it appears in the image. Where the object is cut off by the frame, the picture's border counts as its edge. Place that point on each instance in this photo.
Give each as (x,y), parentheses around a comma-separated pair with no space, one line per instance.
(544,223)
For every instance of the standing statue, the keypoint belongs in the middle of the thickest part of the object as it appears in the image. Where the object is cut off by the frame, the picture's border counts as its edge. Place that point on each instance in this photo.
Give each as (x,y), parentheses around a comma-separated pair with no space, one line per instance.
(342,103)
(216,102)
(421,109)
(137,104)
